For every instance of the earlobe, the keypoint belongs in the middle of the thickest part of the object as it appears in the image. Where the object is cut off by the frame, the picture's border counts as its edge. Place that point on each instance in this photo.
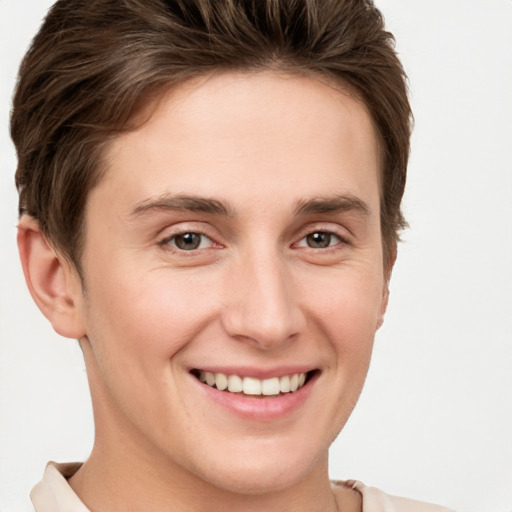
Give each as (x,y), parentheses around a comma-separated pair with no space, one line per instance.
(51,280)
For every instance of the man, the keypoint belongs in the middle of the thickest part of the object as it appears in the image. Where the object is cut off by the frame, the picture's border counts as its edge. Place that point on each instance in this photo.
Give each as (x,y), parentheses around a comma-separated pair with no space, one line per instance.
(210,202)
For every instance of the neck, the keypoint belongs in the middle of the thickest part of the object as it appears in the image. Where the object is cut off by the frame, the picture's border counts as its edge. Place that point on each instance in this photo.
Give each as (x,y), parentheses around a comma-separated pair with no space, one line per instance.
(127,481)
(127,472)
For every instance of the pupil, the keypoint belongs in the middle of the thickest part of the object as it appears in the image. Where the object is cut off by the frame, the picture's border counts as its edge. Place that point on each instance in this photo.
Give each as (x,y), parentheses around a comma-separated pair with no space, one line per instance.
(319,240)
(188,241)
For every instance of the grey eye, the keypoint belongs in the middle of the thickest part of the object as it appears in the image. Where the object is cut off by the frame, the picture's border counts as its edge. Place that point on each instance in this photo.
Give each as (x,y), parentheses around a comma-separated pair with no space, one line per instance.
(188,241)
(320,240)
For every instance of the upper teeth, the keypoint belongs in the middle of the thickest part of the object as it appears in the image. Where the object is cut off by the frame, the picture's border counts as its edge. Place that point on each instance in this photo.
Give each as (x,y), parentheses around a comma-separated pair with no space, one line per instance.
(252,386)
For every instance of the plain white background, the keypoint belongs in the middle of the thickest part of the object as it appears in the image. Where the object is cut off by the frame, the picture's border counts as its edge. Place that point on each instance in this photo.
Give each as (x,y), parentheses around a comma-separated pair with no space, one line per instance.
(435,419)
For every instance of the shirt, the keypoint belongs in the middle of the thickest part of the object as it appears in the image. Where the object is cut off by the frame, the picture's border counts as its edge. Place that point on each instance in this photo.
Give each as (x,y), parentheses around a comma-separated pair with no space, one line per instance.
(54,494)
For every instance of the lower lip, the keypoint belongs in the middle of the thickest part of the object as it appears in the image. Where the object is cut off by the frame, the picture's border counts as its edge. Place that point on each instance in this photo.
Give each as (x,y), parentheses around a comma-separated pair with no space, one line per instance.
(260,408)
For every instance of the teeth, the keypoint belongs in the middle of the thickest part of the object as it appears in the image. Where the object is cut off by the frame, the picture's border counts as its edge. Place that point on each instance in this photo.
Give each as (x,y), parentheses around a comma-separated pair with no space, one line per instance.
(235,384)
(294,382)
(221,381)
(270,386)
(252,386)
(210,378)
(284,383)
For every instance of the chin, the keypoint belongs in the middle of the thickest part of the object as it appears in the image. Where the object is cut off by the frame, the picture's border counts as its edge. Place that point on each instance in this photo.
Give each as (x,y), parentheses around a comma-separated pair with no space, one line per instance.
(262,469)
(257,480)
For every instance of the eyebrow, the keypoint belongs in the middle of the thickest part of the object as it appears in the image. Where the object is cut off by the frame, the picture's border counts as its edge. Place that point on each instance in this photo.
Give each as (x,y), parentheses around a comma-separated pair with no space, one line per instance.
(181,202)
(332,204)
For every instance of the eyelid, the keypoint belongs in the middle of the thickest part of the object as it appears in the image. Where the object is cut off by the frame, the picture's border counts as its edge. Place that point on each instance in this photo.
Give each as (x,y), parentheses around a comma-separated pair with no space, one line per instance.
(342,233)
(340,240)
(172,232)
(166,241)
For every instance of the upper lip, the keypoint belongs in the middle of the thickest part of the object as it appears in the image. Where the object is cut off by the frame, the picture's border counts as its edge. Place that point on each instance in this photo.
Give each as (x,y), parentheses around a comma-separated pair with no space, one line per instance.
(255,372)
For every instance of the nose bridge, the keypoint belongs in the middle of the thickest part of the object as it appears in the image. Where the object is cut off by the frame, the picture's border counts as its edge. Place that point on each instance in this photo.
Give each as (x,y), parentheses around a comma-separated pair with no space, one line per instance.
(261,304)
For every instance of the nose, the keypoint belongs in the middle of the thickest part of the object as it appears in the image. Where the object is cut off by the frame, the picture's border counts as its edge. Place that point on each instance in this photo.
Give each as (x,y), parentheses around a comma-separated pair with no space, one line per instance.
(261,305)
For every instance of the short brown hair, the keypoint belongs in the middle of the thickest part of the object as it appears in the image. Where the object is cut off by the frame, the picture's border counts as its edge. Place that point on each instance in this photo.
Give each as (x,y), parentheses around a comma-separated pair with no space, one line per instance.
(94,63)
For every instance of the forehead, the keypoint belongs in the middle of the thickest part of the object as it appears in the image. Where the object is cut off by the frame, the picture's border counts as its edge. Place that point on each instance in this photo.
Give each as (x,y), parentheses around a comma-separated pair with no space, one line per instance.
(217,134)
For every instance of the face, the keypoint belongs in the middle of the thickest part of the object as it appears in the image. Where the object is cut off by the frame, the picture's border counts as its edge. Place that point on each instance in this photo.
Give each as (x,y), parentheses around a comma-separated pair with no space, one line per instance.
(235,239)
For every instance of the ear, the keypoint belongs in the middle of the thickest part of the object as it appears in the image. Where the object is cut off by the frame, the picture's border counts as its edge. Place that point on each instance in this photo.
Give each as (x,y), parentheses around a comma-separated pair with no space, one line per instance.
(385,290)
(52,281)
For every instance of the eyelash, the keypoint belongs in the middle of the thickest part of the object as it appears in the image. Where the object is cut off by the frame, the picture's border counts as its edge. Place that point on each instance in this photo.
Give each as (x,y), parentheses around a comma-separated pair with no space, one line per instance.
(328,234)
(166,242)
(340,240)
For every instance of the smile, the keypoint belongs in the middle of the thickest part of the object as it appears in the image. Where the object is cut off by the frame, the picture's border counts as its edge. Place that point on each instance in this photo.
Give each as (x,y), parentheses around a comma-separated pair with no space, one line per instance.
(273,386)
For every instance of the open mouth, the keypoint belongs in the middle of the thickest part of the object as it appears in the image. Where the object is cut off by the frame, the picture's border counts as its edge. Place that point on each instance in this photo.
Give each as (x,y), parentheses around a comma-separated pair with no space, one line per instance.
(253,387)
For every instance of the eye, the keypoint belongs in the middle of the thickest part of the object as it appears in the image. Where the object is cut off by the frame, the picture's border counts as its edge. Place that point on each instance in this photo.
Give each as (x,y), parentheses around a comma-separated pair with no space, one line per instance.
(189,241)
(319,240)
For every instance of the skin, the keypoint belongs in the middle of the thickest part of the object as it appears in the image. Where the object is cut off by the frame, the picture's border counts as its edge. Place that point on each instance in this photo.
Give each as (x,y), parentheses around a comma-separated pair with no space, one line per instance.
(274,151)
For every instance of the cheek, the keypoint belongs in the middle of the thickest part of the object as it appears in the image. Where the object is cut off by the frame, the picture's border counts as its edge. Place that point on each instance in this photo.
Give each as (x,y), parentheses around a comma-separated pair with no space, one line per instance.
(347,304)
(347,311)
(136,326)
(150,316)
